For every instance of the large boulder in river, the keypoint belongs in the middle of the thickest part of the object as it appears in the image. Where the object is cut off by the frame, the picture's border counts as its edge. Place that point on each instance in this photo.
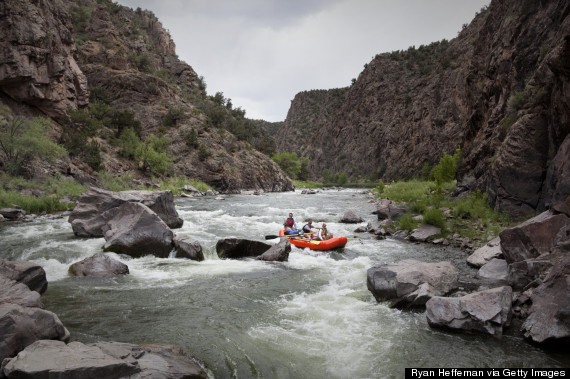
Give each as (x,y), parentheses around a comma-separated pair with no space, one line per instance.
(533,237)
(28,273)
(134,229)
(235,248)
(350,217)
(277,253)
(45,359)
(411,283)
(17,293)
(22,326)
(98,265)
(482,312)
(424,232)
(188,247)
(86,218)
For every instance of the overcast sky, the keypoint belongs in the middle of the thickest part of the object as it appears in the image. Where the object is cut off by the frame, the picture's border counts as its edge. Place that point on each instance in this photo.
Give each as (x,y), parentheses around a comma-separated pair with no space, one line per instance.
(261,53)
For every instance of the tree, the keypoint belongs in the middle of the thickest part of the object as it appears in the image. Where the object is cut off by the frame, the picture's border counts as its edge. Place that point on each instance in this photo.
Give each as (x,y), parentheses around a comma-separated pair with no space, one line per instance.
(445,170)
(152,154)
(22,140)
(288,162)
(128,143)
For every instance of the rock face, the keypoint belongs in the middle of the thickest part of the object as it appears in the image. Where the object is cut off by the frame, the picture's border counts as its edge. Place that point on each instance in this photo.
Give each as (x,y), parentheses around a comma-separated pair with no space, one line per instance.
(279,252)
(134,229)
(411,283)
(87,220)
(496,91)
(37,64)
(187,247)
(481,312)
(98,265)
(235,248)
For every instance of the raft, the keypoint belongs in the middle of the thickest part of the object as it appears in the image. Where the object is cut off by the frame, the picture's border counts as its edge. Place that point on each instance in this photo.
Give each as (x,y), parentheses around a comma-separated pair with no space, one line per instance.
(300,242)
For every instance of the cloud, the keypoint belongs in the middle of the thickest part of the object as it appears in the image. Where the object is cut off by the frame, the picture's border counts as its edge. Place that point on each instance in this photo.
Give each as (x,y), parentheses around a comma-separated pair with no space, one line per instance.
(260,53)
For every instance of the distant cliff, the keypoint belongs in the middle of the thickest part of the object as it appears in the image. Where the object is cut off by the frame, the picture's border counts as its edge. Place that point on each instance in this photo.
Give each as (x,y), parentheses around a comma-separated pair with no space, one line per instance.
(119,65)
(500,91)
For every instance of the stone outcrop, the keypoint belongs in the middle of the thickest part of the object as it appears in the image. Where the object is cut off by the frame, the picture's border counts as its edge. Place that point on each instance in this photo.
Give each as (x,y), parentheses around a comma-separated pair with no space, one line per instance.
(496,270)
(134,229)
(277,253)
(37,64)
(235,248)
(411,283)
(485,312)
(499,91)
(98,265)
(387,209)
(87,220)
(533,237)
(188,247)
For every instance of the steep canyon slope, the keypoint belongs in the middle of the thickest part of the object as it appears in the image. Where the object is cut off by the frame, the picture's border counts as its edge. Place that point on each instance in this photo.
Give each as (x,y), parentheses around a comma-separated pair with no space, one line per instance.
(59,56)
(500,90)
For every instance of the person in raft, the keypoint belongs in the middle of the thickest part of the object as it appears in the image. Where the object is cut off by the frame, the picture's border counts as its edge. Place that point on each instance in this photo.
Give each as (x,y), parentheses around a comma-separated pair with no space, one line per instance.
(289,223)
(324,233)
(308,227)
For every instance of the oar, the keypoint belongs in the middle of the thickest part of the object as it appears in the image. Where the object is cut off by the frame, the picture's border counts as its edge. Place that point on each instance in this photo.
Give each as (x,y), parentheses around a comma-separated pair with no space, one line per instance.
(273,236)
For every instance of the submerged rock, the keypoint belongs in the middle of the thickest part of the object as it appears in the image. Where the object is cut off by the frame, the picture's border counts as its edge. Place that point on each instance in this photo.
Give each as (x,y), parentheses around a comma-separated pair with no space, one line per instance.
(98,265)
(188,247)
(279,252)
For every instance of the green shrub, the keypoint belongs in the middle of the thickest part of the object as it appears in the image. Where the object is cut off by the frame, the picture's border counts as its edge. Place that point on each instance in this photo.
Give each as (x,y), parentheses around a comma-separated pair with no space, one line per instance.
(152,155)
(516,102)
(435,217)
(379,189)
(115,183)
(203,152)
(22,140)
(192,138)
(445,170)
(128,143)
(406,222)
(173,116)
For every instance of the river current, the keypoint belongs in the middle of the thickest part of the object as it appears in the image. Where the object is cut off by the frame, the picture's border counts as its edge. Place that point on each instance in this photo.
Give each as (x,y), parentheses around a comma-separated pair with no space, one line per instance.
(310,317)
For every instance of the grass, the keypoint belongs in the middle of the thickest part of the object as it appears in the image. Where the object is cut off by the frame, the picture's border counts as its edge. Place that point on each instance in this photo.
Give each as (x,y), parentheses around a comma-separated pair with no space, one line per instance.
(472,216)
(54,190)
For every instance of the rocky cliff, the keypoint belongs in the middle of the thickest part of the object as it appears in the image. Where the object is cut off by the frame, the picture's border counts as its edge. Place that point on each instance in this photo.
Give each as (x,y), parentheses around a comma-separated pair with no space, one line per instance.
(119,65)
(499,90)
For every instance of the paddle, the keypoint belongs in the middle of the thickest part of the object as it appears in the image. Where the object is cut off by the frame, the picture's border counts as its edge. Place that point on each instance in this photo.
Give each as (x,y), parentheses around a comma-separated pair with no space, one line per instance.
(295,235)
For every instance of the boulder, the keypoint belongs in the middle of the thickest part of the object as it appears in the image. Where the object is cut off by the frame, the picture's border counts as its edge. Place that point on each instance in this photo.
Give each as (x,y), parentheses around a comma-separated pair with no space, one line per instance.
(411,283)
(528,273)
(98,265)
(22,326)
(12,213)
(51,359)
(485,253)
(17,293)
(27,273)
(549,315)
(188,247)
(423,233)
(387,209)
(494,270)
(134,229)
(45,359)
(533,237)
(191,190)
(279,252)
(485,312)
(234,248)
(350,217)
(86,218)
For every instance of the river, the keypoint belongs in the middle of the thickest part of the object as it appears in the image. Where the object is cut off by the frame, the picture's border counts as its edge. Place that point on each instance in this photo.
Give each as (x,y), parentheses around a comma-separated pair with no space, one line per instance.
(310,317)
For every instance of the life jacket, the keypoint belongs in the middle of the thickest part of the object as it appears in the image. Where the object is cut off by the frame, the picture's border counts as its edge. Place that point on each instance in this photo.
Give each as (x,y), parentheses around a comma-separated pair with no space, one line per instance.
(323,233)
(307,228)
(289,222)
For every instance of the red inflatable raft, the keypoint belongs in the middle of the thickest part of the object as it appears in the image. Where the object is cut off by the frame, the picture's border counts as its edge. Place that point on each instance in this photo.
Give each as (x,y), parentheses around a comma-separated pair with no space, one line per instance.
(303,242)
